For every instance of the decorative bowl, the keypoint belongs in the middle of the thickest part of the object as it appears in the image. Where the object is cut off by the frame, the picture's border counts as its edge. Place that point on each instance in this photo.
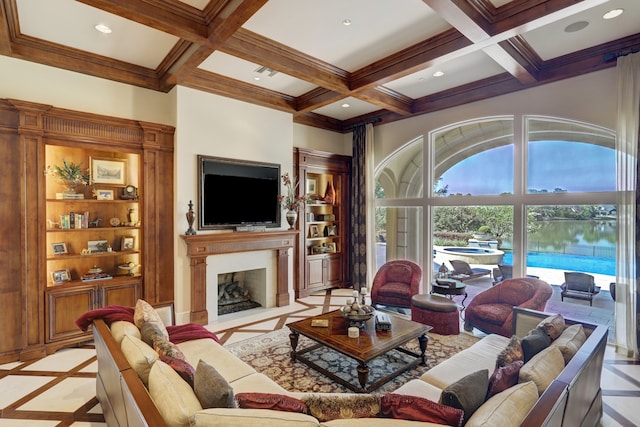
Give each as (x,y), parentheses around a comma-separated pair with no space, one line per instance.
(359,318)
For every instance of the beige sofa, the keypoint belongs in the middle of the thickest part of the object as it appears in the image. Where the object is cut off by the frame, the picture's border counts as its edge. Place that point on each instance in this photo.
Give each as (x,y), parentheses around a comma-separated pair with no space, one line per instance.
(572,398)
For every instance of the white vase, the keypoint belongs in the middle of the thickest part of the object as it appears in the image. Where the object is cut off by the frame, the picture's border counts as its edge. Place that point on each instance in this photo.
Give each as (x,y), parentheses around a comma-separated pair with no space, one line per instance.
(292,217)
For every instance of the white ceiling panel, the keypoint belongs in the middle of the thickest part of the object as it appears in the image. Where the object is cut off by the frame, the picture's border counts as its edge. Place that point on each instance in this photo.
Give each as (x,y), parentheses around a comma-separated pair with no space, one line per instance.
(239,69)
(378,28)
(463,70)
(356,108)
(552,41)
(71,23)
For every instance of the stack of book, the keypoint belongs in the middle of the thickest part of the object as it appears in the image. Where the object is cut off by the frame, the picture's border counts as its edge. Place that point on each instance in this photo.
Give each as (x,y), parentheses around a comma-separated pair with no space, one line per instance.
(90,277)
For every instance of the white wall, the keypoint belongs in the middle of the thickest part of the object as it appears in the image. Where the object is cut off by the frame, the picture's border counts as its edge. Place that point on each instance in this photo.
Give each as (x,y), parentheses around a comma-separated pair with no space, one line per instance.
(28,81)
(217,126)
(320,139)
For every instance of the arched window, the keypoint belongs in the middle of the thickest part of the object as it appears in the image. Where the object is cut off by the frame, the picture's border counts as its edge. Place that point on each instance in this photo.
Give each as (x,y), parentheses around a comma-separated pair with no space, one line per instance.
(519,176)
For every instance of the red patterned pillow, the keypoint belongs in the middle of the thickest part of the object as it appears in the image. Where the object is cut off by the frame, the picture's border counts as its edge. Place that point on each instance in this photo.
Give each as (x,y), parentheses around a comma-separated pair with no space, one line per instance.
(182,367)
(504,378)
(277,402)
(167,348)
(415,408)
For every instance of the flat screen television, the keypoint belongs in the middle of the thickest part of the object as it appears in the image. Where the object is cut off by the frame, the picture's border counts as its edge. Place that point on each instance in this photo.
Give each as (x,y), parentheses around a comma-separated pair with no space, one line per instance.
(235,193)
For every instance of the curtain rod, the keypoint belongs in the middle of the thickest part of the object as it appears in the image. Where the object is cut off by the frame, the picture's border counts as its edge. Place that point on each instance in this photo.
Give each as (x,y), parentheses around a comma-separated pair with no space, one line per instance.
(366,122)
(612,56)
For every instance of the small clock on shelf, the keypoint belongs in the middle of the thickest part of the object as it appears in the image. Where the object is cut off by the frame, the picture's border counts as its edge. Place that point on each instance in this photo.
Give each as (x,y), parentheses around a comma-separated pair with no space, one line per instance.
(130,192)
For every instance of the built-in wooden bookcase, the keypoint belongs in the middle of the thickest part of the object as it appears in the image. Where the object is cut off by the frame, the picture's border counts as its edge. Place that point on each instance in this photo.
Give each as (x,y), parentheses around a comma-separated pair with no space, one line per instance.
(39,311)
(324,223)
(95,227)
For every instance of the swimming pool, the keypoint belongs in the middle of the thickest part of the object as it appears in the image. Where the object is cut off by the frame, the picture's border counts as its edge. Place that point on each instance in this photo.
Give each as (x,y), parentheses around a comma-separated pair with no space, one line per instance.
(567,262)
(472,255)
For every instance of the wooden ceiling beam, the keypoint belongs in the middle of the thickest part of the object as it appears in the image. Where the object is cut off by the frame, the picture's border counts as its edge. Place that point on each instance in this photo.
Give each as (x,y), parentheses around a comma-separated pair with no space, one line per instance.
(224,86)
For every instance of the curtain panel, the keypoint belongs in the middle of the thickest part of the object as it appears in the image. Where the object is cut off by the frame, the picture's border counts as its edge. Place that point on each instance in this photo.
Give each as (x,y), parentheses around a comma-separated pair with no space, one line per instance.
(628,189)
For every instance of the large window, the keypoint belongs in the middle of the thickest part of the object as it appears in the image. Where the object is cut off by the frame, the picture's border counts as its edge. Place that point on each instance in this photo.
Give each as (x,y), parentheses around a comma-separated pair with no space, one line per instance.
(520,176)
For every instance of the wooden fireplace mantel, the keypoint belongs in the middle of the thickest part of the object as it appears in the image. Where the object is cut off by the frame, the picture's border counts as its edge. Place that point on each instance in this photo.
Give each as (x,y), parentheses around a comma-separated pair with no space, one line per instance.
(200,246)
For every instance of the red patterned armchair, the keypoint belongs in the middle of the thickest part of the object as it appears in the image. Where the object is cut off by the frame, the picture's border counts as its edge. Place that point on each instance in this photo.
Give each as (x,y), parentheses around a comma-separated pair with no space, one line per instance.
(395,283)
(491,311)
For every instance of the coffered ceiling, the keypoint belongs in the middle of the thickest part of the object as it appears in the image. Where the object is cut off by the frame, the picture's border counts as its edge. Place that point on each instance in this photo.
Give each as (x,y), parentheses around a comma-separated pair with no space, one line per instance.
(312,58)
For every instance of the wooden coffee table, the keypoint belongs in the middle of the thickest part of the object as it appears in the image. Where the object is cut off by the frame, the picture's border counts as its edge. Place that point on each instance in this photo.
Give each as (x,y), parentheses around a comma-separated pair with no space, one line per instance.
(369,345)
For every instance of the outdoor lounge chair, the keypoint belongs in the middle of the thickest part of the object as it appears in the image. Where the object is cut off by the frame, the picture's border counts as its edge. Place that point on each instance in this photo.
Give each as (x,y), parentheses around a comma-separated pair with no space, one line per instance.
(579,286)
(463,270)
(505,271)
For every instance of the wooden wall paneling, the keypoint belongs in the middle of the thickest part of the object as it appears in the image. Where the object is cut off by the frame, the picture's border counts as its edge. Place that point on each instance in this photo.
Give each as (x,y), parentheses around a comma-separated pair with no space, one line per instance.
(30,330)
(12,245)
(158,201)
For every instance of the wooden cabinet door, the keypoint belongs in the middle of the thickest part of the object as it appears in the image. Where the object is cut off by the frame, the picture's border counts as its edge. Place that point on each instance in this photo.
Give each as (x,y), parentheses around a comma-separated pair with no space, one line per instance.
(121,293)
(315,272)
(64,306)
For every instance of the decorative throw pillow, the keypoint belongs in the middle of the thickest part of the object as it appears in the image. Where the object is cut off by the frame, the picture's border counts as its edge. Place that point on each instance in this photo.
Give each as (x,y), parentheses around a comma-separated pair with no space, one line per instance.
(413,408)
(182,367)
(508,408)
(543,368)
(467,393)
(504,377)
(151,332)
(534,343)
(570,341)
(212,390)
(553,326)
(511,353)
(144,313)
(175,400)
(167,348)
(139,355)
(331,407)
(120,328)
(276,402)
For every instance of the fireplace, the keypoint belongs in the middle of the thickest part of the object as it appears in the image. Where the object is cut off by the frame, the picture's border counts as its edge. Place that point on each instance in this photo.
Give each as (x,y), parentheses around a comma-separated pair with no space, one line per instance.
(213,246)
(241,290)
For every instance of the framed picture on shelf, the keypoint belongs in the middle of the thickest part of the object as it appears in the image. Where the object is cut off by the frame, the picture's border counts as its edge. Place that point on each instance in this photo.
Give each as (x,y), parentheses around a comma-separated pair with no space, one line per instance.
(60,276)
(108,171)
(104,194)
(331,230)
(311,187)
(313,231)
(59,248)
(97,246)
(331,247)
(128,243)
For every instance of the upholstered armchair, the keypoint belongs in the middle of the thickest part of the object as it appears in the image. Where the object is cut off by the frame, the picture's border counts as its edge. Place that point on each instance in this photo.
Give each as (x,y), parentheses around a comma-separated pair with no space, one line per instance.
(491,311)
(395,283)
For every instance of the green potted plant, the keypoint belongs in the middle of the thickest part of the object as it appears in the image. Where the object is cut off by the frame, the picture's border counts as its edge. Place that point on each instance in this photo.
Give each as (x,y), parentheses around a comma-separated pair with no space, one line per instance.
(70,174)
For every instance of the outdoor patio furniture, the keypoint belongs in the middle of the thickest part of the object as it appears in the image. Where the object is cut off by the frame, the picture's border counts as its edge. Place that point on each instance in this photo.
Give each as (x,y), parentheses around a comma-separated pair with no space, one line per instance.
(505,271)
(395,283)
(462,270)
(491,311)
(580,286)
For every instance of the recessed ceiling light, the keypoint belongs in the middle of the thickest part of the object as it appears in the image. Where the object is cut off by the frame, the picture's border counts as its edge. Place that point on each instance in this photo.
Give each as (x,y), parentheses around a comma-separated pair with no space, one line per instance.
(346,22)
(438,74)
(613,13)
(256,78)
(576,26)
(345,105)
(104,29)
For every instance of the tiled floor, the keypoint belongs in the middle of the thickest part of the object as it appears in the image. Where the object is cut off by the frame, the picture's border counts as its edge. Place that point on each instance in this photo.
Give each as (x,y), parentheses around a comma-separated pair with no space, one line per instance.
(59,390)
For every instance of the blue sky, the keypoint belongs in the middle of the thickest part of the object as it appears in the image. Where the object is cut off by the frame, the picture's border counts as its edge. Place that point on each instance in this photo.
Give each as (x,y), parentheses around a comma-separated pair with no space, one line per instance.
(574,167)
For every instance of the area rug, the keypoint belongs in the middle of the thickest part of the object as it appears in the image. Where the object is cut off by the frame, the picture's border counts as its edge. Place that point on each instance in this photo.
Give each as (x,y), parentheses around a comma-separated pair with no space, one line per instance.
(270,355)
